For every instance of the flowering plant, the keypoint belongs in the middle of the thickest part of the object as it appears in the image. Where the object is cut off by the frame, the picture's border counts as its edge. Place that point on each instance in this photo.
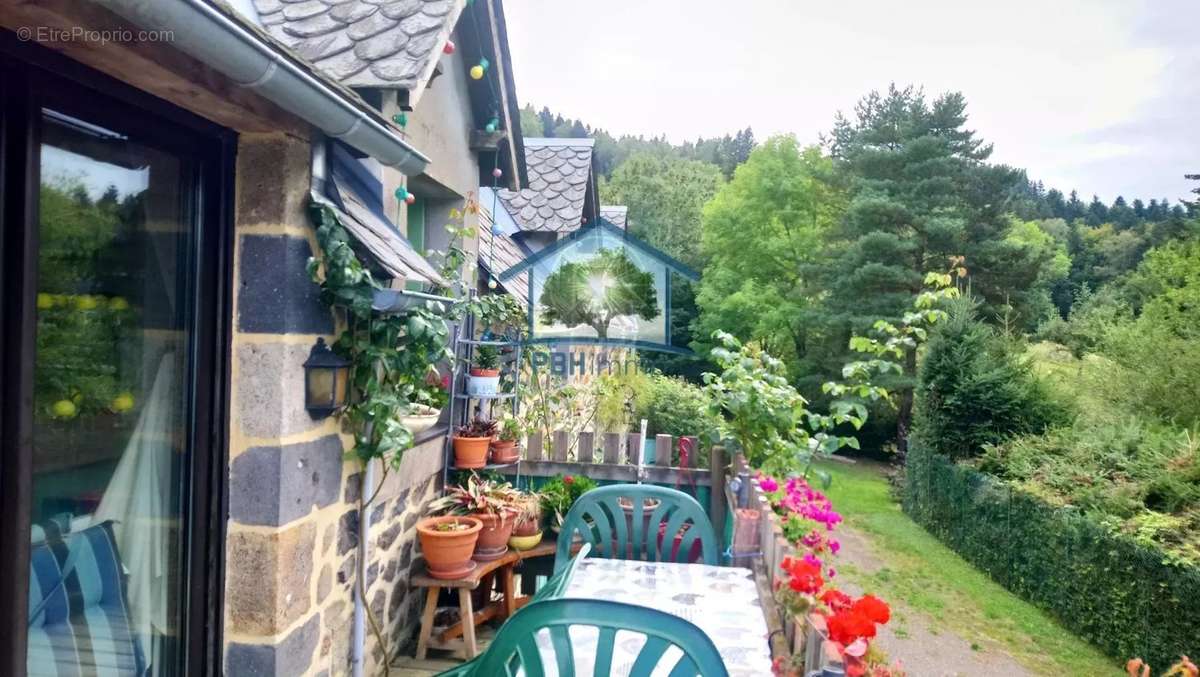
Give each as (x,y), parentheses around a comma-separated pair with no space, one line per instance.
(809,520)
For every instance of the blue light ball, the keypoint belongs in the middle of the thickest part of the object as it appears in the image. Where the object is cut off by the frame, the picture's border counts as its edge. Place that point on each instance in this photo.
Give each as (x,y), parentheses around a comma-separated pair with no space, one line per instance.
(497,230)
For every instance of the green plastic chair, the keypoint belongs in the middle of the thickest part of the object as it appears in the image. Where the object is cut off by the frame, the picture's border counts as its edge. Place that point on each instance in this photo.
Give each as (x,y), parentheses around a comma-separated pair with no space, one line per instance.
(515,647)
(553,588)
(598,518)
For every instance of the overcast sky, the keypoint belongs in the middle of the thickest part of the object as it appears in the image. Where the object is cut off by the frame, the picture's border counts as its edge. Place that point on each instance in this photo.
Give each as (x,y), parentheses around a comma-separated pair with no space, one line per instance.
(1097,95)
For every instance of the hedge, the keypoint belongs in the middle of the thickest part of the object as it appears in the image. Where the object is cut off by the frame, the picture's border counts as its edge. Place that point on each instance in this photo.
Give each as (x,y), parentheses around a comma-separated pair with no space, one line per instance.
(1107,589)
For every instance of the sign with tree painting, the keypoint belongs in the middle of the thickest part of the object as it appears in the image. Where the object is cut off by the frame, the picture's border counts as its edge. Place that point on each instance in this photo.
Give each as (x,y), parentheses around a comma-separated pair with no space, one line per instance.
(601,286)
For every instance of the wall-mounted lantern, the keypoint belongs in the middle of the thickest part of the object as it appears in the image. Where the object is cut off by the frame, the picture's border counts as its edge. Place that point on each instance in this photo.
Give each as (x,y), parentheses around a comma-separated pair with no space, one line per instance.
(326,375)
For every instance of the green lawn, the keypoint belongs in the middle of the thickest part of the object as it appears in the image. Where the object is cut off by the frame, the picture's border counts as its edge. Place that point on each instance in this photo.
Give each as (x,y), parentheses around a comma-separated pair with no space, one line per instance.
(929,577)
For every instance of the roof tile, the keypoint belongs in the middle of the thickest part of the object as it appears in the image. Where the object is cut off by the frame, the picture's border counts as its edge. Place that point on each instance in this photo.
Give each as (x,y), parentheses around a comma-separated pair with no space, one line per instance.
(393,41)
(307,28)
(559,172)
(355,10)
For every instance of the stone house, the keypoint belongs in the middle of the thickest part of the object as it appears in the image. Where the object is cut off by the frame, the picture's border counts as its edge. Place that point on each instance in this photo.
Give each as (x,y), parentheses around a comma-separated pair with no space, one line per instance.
(159,160)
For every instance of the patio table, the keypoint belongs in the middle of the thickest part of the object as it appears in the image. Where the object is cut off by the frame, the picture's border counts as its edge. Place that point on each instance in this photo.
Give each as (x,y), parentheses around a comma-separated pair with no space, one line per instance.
(721,601)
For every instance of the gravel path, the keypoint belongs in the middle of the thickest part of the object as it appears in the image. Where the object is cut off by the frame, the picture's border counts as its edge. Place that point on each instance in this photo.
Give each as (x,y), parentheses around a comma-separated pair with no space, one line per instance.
(924,647)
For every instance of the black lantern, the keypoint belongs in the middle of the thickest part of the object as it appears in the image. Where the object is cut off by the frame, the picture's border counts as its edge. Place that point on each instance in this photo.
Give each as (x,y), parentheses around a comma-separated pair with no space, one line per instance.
(325,379)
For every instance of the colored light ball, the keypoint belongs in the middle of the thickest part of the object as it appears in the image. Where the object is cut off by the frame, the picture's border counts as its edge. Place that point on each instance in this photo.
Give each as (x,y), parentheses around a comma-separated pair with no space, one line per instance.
(490,128)
(491,283)
(476,72)
(497,230)
(400,119)
(497,172)
(401,193)
(409,199)
(484,63)
(448,48)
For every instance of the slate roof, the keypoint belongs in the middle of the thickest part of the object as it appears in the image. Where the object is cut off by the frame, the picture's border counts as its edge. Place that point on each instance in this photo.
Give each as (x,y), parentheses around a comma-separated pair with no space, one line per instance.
(364,43)
(559,172)
(507,253)
(616,215)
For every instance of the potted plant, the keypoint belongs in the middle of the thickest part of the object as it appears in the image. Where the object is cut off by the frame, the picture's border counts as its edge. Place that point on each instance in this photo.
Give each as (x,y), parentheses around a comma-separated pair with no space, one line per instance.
(504,445)
(427,403)
(471,443)
(560,493)
(484,376)
(494,504)
(447,543)
(527,530)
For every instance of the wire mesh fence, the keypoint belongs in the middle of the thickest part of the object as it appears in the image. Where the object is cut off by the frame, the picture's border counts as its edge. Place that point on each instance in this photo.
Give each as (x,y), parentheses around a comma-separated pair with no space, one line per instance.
(1111,591)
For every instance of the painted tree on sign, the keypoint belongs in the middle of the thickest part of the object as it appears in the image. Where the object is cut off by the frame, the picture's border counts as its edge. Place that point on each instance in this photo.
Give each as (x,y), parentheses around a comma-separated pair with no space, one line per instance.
(598,290)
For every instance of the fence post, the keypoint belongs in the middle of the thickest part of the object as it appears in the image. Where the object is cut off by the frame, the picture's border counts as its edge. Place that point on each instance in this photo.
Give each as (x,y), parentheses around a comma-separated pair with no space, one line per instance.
(585,452)
(561,446)
(612,448)
(662,450)
(716,508)
(534,447)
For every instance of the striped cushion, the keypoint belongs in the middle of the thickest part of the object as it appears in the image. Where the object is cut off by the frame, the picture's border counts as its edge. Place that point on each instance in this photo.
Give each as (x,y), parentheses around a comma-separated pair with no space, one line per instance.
(80,624)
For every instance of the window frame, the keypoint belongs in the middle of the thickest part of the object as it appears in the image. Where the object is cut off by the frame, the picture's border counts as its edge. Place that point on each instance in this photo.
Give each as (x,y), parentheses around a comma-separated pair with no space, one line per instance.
(31,78)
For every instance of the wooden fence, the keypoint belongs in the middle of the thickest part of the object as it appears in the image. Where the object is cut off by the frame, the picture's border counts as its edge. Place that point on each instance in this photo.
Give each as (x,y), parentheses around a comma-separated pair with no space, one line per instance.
(614,457)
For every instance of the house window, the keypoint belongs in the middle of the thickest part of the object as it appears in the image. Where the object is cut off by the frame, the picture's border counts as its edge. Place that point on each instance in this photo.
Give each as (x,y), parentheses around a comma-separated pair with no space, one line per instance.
(113,249)
(416,225)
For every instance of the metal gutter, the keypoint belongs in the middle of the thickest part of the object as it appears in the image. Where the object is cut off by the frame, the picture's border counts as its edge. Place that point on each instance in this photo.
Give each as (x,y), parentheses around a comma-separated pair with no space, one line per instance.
(249,58)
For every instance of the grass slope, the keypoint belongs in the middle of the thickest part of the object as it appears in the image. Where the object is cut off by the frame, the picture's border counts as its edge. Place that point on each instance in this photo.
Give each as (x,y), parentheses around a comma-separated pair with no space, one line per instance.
(928,577)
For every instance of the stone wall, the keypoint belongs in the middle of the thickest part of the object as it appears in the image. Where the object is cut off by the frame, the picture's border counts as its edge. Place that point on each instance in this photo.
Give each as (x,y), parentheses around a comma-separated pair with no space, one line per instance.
(293,501)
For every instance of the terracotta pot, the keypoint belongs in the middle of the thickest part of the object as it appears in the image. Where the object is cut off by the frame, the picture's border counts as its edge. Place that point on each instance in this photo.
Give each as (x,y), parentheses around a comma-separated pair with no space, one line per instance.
(471,452)
(448,553)
(505,451)
(527,527)
(695,553)
(493,538)
(648,506)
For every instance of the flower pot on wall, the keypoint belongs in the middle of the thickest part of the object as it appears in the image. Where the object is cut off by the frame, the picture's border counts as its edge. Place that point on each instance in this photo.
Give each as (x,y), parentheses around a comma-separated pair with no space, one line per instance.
(505,451)
(420,419)
(493,538)
(483,382)
(448,543)
(525,542)
(471,452)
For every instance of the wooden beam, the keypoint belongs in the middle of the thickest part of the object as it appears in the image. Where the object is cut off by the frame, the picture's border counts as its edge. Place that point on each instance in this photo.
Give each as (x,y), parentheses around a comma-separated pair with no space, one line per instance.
(662,450)
(717,505)
(154,67)
(616,473)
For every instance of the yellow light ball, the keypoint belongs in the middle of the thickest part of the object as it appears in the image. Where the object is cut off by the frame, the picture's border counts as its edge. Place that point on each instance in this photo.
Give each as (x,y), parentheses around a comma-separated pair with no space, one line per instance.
(64,409)
(45,301)
(85,302)
(118,303)
(122,403)
(476,72)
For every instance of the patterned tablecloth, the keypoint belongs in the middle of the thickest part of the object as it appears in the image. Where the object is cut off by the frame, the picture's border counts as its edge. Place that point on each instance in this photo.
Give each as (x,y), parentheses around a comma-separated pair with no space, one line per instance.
(722,601)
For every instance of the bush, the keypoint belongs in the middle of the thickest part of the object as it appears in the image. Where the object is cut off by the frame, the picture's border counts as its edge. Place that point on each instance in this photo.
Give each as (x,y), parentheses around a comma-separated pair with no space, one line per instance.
(973,390)
(1111,589)
(670,405)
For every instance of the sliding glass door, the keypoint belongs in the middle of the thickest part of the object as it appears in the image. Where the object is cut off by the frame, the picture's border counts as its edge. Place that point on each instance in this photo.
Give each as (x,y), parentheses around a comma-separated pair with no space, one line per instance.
(115,259)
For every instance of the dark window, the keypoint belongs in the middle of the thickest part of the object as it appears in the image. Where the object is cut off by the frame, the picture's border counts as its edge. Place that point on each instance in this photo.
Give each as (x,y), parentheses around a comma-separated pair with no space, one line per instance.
(114,255)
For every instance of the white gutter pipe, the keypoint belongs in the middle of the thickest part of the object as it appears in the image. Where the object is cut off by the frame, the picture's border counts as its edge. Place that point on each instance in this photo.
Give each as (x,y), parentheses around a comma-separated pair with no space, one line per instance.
(208,35)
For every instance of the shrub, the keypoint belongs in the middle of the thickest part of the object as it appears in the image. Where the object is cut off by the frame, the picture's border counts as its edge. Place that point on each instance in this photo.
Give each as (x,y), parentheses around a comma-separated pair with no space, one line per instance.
(670,405)
(973,390)
(1115,590)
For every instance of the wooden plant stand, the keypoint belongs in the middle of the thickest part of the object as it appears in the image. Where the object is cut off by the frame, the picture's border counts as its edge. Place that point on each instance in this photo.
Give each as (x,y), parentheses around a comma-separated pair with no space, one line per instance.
(486,573)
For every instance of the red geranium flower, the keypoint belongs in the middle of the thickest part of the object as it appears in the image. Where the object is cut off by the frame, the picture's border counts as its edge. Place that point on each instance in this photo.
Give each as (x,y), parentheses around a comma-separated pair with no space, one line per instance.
(836,600)
(804,576)
(873,608)
(846,626)
(568,479)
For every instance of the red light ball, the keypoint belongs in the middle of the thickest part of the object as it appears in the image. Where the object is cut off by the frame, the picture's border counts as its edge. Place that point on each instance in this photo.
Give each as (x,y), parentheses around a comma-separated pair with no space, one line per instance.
(448,48)
(410,198)
(497,173)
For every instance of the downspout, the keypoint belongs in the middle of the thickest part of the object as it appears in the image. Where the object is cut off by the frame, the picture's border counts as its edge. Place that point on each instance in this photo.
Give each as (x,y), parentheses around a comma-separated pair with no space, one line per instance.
(251,60)
(359,642)
(358,625)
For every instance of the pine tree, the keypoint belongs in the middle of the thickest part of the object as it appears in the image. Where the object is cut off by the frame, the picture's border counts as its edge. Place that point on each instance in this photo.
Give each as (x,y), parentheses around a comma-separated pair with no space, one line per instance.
(1075,207)
(1097,213)
(922,192)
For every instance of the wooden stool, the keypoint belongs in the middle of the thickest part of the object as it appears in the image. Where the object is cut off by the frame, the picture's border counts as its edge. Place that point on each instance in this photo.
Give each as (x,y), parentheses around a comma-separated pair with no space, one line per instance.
(485,572)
